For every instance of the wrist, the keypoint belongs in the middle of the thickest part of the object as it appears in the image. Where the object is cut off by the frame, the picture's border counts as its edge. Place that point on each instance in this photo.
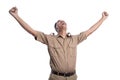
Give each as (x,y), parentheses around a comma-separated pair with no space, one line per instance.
(103,18)
(14,15)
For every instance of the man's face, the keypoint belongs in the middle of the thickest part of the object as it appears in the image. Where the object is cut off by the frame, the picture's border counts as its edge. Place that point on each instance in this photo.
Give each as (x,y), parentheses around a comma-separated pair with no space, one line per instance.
(61,25)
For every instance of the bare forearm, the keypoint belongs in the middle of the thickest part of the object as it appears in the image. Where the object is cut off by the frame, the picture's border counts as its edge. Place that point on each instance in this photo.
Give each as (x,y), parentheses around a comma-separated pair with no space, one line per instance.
(95,26)
(24,25)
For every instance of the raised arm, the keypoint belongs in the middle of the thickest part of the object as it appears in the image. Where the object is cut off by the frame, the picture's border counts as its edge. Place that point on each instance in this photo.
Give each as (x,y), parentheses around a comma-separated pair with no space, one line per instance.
(14,12)
(97,24)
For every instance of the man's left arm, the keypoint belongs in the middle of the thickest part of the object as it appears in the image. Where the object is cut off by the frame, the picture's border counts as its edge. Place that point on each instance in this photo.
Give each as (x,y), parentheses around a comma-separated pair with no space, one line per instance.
(97,24)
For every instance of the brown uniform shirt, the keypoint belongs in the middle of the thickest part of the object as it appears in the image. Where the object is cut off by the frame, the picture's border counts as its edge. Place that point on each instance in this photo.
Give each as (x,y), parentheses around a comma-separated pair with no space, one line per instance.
(62,51)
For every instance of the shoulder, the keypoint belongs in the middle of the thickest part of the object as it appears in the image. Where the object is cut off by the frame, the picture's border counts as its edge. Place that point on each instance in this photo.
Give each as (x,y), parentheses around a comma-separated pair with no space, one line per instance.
(51,35)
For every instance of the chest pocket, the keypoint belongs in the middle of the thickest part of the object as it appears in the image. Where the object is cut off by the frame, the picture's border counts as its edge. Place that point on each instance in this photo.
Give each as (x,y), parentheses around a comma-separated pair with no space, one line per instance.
(52,43)
(72,45)
(72,49)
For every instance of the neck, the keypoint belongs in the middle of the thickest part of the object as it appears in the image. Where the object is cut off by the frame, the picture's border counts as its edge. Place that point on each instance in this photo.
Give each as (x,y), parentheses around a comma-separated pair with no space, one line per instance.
(62,33)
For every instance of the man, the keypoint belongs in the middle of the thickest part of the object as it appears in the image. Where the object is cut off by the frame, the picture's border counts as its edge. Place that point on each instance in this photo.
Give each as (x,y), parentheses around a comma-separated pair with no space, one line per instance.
(61,47)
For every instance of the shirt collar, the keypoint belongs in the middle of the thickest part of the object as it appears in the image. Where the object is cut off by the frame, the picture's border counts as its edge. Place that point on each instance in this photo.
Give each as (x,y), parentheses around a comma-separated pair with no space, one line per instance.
(67,35)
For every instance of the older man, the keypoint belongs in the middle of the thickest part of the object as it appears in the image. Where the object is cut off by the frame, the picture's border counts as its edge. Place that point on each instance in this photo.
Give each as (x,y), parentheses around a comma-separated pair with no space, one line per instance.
(61,47)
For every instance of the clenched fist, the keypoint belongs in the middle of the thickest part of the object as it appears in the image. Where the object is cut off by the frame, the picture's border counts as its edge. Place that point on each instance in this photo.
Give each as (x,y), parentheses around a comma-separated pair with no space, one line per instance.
(13,11)
(104,15)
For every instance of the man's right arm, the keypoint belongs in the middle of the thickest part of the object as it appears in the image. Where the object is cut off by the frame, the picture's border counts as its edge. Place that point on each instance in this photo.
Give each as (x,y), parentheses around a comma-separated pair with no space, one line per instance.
(14,12)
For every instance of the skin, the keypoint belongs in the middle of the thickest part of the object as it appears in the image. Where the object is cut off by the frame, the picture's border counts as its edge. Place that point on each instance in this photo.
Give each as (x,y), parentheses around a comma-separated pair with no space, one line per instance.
(61,28)
(60,24)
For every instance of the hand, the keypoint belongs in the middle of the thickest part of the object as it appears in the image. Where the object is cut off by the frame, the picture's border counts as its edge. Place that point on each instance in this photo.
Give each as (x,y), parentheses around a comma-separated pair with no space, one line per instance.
(13,11)
(104,15)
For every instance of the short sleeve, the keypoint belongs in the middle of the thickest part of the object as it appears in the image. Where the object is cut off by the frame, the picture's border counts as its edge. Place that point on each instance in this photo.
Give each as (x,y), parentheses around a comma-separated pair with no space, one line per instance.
(41,37)
(81,37)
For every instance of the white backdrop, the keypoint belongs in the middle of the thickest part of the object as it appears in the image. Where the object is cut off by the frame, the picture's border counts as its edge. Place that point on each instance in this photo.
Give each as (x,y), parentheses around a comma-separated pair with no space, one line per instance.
(23,58)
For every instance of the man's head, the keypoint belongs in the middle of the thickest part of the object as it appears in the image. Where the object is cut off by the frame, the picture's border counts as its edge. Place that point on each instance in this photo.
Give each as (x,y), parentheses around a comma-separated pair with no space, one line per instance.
(60,25)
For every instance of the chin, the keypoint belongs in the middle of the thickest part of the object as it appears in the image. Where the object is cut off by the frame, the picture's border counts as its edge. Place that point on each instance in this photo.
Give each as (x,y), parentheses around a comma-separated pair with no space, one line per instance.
(65,28)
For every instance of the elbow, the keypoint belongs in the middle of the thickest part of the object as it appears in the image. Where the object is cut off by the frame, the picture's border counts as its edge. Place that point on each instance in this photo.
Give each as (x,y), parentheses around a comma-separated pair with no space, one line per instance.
(33,33)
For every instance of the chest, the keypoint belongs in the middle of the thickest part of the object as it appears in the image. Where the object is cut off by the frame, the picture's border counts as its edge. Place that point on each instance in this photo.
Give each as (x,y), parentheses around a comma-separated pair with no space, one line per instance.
(62,42)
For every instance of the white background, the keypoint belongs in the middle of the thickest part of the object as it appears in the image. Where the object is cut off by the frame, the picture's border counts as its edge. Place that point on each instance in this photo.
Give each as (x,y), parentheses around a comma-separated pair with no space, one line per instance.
(23,58)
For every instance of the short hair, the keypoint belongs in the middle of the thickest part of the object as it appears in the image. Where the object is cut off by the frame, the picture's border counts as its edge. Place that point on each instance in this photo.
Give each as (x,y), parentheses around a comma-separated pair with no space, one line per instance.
(55,26)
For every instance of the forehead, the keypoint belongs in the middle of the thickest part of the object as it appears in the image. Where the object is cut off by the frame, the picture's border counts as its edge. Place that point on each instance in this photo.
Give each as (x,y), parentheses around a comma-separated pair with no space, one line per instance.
(60,21)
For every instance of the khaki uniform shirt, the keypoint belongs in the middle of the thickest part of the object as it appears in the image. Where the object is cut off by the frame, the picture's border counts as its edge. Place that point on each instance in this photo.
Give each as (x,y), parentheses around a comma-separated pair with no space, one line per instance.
(62,51)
